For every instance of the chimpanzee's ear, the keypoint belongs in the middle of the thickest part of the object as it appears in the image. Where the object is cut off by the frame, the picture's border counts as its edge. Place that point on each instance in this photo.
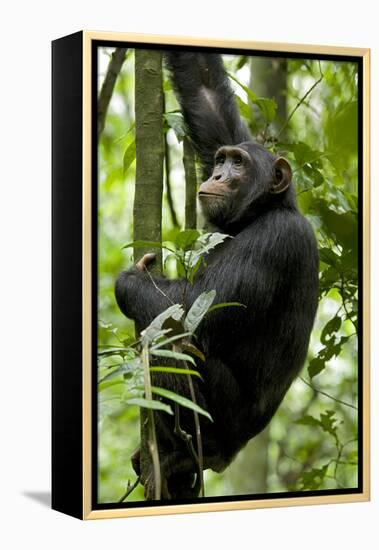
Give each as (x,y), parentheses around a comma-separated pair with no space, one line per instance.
(282,176)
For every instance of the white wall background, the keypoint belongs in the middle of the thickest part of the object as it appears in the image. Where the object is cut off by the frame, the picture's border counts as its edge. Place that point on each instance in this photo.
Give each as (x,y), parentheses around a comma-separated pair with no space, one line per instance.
(26,31)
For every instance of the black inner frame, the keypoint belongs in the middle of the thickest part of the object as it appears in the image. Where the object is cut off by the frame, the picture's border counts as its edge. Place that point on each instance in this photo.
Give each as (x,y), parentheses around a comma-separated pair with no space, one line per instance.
(95,44)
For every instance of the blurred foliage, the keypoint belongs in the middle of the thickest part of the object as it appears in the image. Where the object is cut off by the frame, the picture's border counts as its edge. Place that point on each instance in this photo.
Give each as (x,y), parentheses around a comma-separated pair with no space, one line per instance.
(313,437)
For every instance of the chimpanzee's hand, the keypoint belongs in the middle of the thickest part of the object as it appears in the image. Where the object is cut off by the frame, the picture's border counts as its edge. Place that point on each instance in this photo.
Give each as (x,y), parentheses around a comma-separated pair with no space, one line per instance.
(147,259)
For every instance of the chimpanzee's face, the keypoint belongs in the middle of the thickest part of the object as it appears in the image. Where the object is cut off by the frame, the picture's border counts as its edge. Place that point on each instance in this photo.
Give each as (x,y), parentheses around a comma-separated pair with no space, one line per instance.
(241,175)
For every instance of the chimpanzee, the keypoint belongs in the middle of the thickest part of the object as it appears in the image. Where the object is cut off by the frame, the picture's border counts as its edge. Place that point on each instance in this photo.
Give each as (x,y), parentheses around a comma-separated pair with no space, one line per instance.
(270,265)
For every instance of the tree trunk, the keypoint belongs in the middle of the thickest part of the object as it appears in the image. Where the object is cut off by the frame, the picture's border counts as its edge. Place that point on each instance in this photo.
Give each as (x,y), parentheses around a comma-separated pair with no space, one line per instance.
(147,210)
(114,68)
(191,184)
(249,473)
(269,79)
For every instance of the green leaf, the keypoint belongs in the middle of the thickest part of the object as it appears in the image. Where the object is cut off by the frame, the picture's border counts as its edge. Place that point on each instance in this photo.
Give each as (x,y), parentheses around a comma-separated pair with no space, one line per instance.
(175,121)
(342,132)
(167,85)
(226,304)
(328,256)
(154,330)
(194,268)
(172,355)
(244,108)
(149,404)
(343,226)
(166,341)
(122,370)
(208,241)
(313,479)
(303,153)
(194,350)
(205,243)
(250,94)
(186,238)
(308,420)
(333,325)
(112,351)
(146,244)
(183,401)
(129,156)
(328,422)
(109,384)
(198,309)
(175,370)
(268,107)
(316,365)
(242,61)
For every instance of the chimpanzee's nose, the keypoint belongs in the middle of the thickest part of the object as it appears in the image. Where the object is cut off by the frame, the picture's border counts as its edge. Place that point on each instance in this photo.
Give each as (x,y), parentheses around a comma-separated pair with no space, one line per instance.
(218,177)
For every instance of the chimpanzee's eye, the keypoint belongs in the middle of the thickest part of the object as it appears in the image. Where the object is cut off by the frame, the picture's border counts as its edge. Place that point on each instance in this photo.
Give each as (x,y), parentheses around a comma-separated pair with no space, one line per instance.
(238,160)
(220,159)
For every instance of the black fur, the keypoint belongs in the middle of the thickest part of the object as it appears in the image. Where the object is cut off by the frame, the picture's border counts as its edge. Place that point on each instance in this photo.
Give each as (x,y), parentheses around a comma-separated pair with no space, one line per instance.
(271,266)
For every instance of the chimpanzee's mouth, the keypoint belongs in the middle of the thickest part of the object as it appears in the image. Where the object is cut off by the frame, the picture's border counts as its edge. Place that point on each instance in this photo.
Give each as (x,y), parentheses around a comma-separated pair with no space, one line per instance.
(202,194)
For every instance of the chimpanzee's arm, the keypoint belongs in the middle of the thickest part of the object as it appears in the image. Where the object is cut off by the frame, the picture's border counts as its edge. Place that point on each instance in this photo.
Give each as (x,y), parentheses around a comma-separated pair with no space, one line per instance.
(207,102)
(142,297)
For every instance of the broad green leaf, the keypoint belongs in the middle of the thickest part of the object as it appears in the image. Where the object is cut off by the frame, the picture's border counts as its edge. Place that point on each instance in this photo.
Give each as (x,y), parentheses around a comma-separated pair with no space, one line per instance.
(129,156)
(146,244)
(149,404)
(175,121)
(333,325)
(303,153)
(172,355)
(244,108)
(154,330)
(198,309)
(268,107)
(175,370)
(316,365)
(314,175)
(250,94)
(186,238)
(123,136)
(183,401)
(205,243)
(208,241)
(109,384)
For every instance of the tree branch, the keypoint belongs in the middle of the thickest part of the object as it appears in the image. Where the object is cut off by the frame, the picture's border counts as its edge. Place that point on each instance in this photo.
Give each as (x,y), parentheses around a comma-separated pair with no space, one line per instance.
(129,489)
(328,395)
(300,102)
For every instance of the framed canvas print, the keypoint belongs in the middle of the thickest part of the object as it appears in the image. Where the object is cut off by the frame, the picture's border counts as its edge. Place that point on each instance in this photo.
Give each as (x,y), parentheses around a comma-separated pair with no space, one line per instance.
(210,275)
